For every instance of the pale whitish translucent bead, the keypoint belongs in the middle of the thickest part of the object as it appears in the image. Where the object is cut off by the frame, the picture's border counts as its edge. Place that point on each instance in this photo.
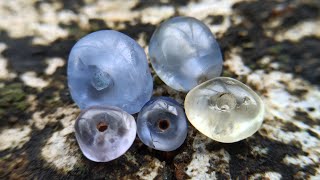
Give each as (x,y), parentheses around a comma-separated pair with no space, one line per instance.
(104,133)
(184,53)
(109,68)
(224,109)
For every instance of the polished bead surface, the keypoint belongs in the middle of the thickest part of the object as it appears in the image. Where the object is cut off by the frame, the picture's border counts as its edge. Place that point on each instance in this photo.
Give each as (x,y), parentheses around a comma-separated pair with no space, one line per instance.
(224,109)
(104,132)
(109,68)
(162,124)
(184,53)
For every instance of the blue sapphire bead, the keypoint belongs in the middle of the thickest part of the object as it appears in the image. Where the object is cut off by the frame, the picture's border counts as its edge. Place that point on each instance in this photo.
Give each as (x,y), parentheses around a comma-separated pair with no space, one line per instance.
(162,124)
(109,68)
(184,53)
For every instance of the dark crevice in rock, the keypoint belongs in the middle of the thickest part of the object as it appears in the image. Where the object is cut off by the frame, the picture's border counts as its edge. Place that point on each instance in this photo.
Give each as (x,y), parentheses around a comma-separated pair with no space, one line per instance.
(134,30)
(312,133)
(304,117)
(289,126)
(298,92)
(146,3)
(156,3)
(243,163)
(216,20)
(23,56)
(300,13)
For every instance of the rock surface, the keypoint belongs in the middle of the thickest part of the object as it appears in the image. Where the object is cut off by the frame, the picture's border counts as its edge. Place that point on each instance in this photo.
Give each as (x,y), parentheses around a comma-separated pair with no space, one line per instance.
(272,46)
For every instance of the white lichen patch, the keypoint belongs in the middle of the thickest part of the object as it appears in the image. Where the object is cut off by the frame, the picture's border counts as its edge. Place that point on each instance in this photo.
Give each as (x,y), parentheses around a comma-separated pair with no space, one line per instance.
(281,105)
(110,11)
(204,8)
(58,149)
(235,64)
(301,160)
(266,175)
(154,15)
(4,72)
(28,21)
(299,31)
(19,14)
(47,33)
(204,164)
(30,79)
(53,64)
(150,170)
(14,137)
(48,30)
(198,167)
(258,150)
(280,102)
(309,143)
(130,157)
(69,115)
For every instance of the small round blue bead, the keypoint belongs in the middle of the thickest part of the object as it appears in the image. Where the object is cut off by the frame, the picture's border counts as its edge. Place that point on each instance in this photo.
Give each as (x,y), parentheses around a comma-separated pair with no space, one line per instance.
(162,124)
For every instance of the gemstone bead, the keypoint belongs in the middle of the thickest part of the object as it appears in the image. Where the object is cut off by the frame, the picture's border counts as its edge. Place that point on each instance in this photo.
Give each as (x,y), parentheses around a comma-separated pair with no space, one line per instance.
(224,109)
(162,124)
(184,53)
(104,132)
(109,68)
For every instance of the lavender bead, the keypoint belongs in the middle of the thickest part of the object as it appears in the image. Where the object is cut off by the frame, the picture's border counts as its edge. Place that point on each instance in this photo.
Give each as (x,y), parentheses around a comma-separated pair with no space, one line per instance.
(104,133)
(184,53)
(162,124)
(109,68)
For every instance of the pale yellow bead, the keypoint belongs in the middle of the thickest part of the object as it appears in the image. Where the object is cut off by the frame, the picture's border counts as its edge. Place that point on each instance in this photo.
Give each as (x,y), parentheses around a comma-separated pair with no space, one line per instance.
(224,109)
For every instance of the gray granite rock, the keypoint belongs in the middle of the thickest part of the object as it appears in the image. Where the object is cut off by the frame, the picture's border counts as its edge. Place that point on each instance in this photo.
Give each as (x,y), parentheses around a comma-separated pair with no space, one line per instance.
(272,46)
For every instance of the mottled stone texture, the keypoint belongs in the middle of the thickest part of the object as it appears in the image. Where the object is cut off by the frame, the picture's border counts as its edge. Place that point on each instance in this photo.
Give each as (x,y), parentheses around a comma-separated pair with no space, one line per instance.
(268,45)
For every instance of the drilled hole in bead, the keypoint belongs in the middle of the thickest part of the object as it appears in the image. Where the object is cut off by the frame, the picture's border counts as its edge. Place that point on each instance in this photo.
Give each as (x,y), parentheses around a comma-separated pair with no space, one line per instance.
(163,124)
(102,126)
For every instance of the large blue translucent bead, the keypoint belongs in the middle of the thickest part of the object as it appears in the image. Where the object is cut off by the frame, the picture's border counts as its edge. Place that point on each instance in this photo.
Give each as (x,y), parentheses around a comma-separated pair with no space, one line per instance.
(162,124)
(109,68)
(184,53)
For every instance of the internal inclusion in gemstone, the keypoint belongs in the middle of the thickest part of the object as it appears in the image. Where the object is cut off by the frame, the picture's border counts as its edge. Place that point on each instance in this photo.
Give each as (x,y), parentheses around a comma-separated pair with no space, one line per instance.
(99,79)
(223,101)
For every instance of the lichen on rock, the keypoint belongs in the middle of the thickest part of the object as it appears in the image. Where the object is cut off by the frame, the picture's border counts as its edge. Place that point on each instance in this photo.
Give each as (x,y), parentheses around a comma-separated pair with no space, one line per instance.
(262,47)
